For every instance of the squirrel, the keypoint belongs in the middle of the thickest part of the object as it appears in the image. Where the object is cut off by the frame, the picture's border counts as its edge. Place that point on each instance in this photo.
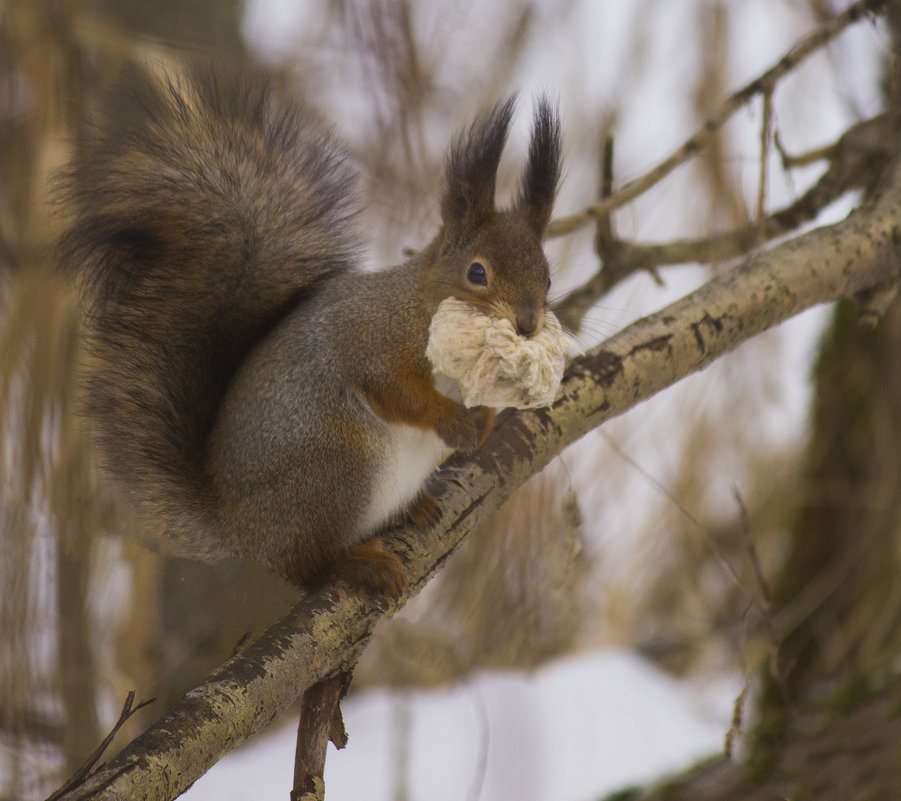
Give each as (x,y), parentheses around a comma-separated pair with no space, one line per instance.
(253,391)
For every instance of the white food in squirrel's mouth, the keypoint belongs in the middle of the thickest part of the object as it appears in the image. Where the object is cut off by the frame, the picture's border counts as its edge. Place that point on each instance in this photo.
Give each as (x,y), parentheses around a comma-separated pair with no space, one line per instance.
(491,363)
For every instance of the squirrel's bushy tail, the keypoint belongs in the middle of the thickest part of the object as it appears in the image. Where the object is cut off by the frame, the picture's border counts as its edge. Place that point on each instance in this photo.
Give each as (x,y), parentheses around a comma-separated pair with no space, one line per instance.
(202,212)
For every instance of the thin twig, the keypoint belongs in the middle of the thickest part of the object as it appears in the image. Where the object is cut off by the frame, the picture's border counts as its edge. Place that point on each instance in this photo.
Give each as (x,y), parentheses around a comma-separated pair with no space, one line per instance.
(87,768)
(766,131)
(762,583)
(857,158)
(764,83)
(764,603)
(320,721)
(802,159)
(481,768)
(607,168)
(737,717)
(711,543)
(604,236)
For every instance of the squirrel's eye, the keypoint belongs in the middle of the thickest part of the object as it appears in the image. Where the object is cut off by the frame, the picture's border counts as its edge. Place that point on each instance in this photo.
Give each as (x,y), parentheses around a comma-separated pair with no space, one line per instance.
(476,274)
(548,285)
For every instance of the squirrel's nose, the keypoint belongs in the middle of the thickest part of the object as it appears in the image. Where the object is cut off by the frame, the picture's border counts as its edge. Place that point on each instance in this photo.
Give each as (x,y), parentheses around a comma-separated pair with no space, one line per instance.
(527,323)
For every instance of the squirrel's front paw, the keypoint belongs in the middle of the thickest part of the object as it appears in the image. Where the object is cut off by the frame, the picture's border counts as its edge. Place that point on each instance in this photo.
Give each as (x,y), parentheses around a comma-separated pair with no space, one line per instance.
(468,429)
(424,510)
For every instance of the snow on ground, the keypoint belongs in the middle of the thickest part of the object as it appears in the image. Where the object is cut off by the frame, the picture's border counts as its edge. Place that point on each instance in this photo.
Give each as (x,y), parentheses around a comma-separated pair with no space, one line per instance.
(577,729)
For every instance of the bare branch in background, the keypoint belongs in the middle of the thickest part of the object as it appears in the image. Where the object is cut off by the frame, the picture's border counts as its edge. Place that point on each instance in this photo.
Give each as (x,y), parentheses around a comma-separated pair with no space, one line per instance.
(857,159)
(764,83)
(764,602)
(87,769)
(766,135)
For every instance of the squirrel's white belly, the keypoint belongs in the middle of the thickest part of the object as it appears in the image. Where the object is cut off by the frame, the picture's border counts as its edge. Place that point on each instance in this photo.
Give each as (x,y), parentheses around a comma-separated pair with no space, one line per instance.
(409,456)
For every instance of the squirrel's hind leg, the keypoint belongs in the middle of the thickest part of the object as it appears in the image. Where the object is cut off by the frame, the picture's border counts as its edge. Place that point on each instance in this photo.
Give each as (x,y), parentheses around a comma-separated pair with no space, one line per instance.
(371,566)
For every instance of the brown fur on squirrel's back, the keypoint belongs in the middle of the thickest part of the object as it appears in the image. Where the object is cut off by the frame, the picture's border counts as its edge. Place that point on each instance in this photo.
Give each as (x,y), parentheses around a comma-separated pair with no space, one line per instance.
(203,212)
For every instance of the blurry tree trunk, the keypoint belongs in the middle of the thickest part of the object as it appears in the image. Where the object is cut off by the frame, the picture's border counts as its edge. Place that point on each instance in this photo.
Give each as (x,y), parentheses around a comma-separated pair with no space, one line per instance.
(78,678)
(827,725)
(837,605)
(46,80)
(841,598)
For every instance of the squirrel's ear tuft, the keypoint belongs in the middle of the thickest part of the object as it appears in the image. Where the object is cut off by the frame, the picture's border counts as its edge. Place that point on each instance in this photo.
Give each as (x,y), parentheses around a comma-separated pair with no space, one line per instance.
(471,169)
(542,172)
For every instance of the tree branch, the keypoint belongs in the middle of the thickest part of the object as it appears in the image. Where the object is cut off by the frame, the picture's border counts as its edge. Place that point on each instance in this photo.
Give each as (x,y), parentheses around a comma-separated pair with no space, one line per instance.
(857,159)
(324,633)
(77,778)
(763,84)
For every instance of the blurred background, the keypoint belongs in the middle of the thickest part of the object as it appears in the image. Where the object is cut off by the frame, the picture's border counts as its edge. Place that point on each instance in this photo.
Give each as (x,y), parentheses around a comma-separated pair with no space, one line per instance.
(724,552)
